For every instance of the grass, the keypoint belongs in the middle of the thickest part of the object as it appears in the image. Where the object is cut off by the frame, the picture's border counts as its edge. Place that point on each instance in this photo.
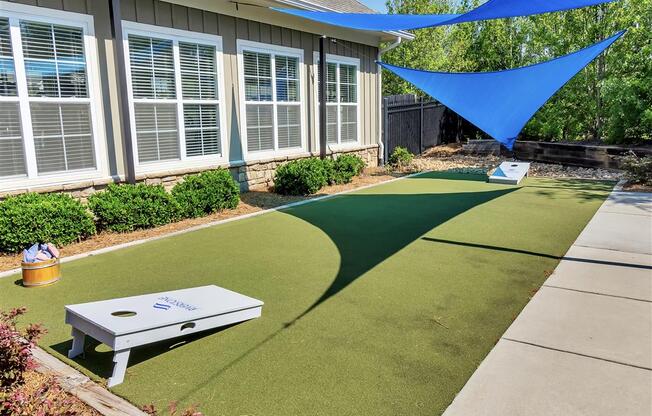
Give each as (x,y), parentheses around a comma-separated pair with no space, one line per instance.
(381,301)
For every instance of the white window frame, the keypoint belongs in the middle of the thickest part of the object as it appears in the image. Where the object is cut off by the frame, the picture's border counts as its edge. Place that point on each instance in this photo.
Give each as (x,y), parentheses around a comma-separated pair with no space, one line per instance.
(346,60)
(16,13)
(273,50)
(176,36)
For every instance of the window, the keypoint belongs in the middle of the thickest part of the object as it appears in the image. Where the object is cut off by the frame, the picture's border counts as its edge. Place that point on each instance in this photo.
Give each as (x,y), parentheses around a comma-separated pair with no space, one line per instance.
(47,131)
(270,78)
(175,96)
(12,156)
(342,105)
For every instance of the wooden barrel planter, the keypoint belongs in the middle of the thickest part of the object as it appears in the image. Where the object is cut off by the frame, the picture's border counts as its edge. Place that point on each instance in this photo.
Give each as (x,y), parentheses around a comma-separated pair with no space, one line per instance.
(41,273)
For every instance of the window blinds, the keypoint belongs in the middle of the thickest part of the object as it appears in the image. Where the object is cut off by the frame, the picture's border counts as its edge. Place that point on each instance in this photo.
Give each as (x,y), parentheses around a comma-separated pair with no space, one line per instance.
(199,82)
(154,73)
(341,102)
(55,67)
(12,157)
(62,136)
(273,101)
(156,132)
(7,70)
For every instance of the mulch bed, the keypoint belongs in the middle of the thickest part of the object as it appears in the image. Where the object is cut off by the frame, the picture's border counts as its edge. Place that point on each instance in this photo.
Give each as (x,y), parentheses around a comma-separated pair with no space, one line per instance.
(252,201)
(637,187)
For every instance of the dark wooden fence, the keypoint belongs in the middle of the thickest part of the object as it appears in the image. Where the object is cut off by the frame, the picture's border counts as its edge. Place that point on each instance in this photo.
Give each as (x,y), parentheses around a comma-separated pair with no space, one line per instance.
(417,124)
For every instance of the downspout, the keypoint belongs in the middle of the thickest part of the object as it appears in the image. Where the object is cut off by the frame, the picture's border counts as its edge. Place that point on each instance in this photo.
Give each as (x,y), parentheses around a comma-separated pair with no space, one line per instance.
(123,96)
(379,87)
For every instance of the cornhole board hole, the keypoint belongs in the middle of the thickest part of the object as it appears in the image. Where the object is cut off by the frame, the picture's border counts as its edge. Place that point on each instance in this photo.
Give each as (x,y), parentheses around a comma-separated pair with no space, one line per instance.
(510,173)
(130,322)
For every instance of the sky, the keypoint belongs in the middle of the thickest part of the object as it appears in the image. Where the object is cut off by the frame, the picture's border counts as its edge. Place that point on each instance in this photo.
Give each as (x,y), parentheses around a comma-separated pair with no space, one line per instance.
(376,5)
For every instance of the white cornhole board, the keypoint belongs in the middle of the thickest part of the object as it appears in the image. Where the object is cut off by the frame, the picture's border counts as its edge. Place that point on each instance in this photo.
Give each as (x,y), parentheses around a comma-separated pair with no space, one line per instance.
(510,173)
(125,323)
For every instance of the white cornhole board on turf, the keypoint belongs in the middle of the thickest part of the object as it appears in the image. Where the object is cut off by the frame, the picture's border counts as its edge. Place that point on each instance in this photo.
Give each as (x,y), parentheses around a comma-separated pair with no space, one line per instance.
(510,173)
(129,322)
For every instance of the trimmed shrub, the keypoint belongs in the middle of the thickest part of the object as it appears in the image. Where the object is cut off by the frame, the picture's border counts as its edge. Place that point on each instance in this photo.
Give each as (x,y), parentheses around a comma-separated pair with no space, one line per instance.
(39,218)
(300,177)
(207,192)
(637,169)
(127,207)
(400,158)
(343,169)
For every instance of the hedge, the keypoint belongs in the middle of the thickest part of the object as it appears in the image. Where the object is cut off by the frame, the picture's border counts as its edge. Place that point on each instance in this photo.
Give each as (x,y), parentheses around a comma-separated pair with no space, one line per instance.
(344,168)
(206,193)
(307,176)
(38,218)
(127,207)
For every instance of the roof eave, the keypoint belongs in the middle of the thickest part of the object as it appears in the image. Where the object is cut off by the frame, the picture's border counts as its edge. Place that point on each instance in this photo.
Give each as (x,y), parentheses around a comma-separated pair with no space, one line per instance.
(307,5)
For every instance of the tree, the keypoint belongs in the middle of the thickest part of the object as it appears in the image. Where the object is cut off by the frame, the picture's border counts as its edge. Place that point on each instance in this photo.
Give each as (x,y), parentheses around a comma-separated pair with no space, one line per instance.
(610,100)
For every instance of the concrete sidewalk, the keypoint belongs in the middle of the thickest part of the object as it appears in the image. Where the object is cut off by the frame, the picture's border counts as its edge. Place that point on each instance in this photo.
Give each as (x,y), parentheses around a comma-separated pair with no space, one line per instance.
(583,345)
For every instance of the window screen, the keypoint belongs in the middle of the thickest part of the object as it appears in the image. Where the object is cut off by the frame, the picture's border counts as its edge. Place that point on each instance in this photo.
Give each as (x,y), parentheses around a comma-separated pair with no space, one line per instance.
(198,71)
(260,127)
(157,132)
(152,67)
(12,156)
(55,64)
(258,76)
(202,126)
(63,137)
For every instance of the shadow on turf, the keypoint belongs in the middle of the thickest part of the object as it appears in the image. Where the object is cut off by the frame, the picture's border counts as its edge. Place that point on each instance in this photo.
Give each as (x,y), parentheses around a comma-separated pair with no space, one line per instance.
(534,253)
(367,229)
(101,362)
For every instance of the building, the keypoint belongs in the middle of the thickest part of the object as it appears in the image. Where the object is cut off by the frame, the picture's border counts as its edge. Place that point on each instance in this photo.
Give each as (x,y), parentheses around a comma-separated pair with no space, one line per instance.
(102,91)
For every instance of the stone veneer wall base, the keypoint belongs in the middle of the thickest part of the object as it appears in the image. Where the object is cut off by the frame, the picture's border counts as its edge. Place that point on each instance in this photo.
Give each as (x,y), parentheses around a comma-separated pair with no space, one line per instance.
(255,174)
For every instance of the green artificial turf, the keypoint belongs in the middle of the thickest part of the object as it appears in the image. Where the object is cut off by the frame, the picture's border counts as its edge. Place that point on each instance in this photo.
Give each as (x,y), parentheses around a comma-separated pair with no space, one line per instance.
(377,302)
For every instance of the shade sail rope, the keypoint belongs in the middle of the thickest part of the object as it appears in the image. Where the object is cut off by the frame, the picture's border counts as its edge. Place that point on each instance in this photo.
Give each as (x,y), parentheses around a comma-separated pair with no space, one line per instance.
(501,103)
(492,9)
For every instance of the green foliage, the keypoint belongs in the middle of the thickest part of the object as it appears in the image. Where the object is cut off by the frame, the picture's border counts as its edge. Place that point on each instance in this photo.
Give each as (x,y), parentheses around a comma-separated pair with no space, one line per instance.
(127,207)
(300,177)
(32,218)
(637,169)
(609,100)
(400,158)
(343,169)
(207,192)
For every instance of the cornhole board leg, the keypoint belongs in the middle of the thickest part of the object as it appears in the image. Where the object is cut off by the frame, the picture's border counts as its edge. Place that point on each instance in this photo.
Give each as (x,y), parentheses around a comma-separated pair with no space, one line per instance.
(77,343)
(120,359)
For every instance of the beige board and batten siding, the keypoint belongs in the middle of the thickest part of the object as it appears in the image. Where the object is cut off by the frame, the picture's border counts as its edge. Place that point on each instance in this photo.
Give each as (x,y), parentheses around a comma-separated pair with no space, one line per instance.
(232,28)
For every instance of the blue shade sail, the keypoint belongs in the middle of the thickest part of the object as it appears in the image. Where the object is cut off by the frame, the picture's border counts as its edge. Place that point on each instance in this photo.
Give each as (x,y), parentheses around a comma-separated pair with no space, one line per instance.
(501,103)
(492,9)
